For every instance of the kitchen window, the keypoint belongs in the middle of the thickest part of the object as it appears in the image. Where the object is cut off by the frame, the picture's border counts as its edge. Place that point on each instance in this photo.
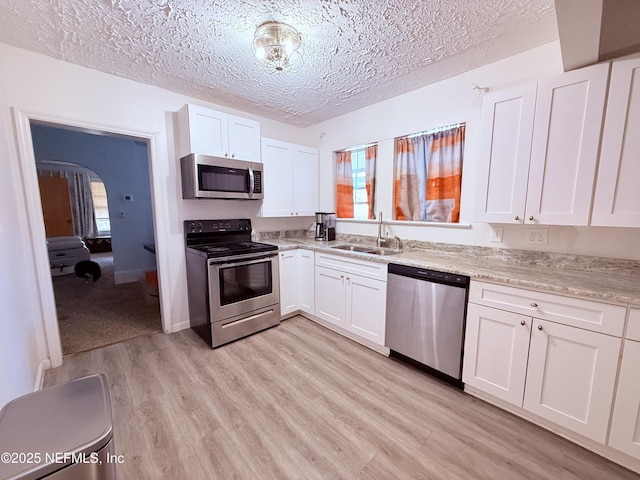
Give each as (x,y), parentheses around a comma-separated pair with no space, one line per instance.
(428,175)
(356,182)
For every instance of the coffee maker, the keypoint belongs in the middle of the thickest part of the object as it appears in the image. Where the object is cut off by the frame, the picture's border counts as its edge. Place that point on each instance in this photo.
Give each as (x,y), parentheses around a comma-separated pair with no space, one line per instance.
(325,226)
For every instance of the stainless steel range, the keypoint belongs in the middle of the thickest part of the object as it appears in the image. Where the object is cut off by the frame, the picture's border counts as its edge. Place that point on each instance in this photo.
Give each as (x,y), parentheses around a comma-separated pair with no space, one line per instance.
(233,283)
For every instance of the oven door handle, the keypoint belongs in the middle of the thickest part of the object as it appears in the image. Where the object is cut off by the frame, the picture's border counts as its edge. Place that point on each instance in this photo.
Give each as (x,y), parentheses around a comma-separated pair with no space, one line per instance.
(246,261)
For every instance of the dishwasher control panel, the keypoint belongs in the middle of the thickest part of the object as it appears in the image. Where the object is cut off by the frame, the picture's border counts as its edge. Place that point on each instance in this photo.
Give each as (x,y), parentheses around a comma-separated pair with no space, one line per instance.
(446,278)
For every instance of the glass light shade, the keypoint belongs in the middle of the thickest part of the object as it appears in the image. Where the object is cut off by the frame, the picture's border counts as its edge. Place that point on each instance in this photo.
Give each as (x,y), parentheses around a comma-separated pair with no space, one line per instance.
(278,47)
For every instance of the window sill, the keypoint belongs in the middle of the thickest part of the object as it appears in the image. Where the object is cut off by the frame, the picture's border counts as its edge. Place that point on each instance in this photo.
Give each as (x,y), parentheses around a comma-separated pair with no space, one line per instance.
(407,223)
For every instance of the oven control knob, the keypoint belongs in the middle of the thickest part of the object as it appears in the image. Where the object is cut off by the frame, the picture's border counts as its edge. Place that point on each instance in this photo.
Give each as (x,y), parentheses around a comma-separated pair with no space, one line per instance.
(192,226)
(199,226)
(243,225)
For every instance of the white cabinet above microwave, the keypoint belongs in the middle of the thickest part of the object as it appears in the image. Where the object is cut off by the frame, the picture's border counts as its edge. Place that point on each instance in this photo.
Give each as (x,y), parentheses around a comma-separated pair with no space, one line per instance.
(218,134)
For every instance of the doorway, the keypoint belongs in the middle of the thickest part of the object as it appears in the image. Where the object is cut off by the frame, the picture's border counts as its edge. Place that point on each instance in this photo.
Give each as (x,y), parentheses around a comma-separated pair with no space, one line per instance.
(118,305)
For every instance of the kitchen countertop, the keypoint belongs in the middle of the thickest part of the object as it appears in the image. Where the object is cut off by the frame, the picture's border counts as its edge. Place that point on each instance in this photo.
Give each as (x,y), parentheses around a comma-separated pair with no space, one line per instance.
(558,274)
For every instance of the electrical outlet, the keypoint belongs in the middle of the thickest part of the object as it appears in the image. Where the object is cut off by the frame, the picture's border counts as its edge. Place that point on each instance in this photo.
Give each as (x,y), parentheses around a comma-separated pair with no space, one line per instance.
(497,234)
(537,236)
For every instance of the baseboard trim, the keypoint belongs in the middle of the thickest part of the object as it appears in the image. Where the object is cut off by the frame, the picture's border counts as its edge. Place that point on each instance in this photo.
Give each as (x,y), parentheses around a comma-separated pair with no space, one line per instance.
(345,333)
(603,450)
(42,368)
(176,327)
(128,276)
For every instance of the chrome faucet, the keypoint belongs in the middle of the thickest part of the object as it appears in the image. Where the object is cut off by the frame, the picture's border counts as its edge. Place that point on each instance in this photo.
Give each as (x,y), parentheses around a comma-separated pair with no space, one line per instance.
(380,240)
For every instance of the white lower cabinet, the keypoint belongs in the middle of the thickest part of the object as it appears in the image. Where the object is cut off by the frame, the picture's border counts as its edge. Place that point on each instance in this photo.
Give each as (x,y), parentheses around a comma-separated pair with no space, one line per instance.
(571,377)
(331,296)
(496,352)
(305,279)
(353,301)
(296,281)
(288,264)
(366,307)
(625,423)
(561,373)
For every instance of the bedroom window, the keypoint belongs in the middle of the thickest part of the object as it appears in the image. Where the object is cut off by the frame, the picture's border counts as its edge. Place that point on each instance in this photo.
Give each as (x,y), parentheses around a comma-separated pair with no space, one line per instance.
(101,208)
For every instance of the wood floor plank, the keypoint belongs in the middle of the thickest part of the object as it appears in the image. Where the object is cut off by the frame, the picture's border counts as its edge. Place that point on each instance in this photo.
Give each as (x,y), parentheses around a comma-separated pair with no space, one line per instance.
(301,402)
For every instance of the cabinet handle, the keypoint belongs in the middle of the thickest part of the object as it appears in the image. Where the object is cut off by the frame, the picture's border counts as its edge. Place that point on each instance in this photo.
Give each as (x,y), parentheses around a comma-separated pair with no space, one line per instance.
(517,218)
(540,327)
(233,155)
(534,304)
(226,154)
(523,323)
(531,218)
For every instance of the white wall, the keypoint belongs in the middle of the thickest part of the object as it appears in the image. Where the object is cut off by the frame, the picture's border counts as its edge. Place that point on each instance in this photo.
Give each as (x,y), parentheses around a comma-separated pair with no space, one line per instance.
(42,87)
(451,101)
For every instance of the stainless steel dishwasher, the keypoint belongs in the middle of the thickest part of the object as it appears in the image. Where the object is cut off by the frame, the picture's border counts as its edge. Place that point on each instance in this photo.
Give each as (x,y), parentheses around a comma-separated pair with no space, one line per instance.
(426,313)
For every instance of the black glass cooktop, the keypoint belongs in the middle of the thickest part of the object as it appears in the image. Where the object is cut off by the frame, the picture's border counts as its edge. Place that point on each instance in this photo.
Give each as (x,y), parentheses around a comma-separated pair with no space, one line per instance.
(214,250)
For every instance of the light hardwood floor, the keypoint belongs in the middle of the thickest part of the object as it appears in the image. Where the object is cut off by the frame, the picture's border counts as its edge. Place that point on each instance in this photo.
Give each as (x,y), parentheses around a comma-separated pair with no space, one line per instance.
(301,402)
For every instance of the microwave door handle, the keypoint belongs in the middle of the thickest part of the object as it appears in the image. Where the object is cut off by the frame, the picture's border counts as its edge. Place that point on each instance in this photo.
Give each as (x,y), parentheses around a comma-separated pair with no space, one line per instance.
(252,182)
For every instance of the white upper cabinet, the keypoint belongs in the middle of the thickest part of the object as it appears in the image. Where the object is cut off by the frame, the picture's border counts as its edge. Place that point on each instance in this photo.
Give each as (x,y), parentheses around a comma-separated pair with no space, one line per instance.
(564,153)
(305,174)
(290,179)
(244,138)
(505,149)
(209,132)
(540,148)
(617,198)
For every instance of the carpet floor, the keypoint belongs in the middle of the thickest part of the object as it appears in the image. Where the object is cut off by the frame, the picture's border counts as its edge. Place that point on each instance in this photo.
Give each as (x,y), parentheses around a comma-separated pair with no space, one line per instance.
(94,315)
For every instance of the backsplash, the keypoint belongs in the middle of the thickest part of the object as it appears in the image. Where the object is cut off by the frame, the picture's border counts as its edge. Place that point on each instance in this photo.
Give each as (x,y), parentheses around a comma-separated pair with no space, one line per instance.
(264,236)
(562,261)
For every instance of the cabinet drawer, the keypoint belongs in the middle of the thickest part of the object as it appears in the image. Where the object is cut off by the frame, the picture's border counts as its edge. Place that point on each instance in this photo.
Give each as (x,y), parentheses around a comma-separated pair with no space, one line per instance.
(633,330)
(377,271)
(576,312)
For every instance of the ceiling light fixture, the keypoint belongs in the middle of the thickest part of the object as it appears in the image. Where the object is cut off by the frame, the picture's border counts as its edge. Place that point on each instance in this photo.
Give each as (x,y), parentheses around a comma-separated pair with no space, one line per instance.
(278,47)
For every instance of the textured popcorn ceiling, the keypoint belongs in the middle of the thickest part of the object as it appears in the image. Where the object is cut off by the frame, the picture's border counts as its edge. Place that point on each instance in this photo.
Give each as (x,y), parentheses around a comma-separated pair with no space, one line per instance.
(358,52)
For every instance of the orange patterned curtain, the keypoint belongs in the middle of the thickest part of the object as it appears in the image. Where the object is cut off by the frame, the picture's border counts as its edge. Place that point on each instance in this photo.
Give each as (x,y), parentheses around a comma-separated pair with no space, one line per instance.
(444,179)
(410,168)
(344,185)
(429,176)
(370,158)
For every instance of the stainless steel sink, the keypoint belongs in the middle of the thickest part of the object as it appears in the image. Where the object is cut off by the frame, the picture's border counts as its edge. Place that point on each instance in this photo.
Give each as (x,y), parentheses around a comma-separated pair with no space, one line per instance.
(366,249)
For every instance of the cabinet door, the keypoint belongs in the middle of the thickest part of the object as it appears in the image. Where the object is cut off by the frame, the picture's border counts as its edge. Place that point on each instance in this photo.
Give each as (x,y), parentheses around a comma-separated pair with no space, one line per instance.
(496,351)
(366,308)
(330,295)
(571,377)
(507,127)
(207,131)
(564,153)
(617,199)
(306,278)
(625,425)
(305,186)
(288,281)
(244,138)
(278,178)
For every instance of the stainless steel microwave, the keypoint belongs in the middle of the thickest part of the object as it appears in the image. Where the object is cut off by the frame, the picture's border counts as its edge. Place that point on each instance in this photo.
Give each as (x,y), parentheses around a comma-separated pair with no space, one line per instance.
(215,177)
